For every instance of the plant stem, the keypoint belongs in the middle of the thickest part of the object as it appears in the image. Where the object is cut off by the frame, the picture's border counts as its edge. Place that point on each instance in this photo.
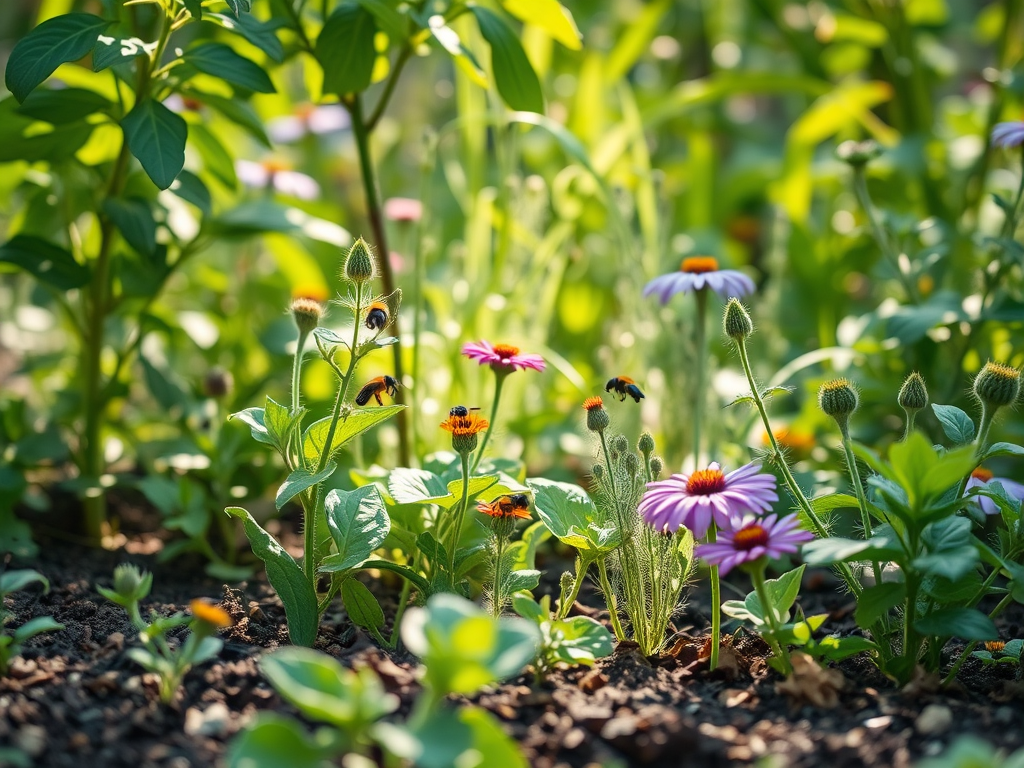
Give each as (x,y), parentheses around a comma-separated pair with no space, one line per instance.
(609,596)
(296,381)
(456,531)
(699,396)
(862,502)
(860,188)
(374,211)
(566,605)
(716,604)
(499,380)
(909,426)
(757,576)
(910,638)
(608,464)
(498,577)
(1007,599)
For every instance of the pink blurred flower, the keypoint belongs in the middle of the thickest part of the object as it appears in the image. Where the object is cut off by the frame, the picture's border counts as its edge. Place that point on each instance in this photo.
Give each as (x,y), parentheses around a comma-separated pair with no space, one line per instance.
(403,209)
(748,538)
(273,173)
(503,358)
(694,500)
(307,119)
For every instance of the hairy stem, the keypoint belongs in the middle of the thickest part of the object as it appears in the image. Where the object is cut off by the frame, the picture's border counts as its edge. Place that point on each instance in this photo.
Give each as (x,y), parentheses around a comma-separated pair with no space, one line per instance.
(460,515)
(699,396)
(862,502)
(609,596)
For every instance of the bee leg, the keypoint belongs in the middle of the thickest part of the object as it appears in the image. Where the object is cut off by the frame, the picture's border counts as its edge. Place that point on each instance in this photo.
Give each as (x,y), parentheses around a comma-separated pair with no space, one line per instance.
(377,396)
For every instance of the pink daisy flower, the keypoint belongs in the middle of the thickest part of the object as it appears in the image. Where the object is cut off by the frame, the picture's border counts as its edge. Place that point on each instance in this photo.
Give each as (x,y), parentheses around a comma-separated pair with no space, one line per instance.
(748,538)
(981,477)
(697,273)
(503,358)
(694,500)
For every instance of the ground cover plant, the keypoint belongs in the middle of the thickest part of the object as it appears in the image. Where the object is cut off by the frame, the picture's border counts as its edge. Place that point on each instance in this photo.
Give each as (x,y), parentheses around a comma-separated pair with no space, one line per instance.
(511,383)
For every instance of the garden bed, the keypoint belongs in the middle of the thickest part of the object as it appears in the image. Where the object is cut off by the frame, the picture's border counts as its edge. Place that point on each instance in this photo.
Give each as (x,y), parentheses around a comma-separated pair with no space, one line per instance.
(75,699)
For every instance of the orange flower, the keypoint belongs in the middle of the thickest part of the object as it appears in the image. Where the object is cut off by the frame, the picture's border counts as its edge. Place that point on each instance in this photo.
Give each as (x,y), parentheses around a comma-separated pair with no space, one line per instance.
(211,614)
(465,426)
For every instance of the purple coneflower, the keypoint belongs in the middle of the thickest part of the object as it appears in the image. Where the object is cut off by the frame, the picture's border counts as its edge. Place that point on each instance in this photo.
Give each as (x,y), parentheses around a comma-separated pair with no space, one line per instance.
(1007,135)
(694,500)
(697,273)
(981,477)
(275,174)
(503,358)
(747,538)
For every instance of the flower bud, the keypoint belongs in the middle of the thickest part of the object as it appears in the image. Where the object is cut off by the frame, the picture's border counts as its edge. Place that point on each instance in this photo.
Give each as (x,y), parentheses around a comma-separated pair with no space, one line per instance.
(131,583)
(597,471)
(567,581)
(838,399)
(858,153)
(503,526)
(913,394)
(646,444)
(359,265)
(737,322)
(657,465)
(620,444)
(307,314)
(997,385)
(631,463)
(597,416)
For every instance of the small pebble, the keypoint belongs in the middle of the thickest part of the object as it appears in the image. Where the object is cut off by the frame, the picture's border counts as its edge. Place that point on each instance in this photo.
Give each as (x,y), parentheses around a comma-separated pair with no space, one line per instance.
(933,720)
(31,739)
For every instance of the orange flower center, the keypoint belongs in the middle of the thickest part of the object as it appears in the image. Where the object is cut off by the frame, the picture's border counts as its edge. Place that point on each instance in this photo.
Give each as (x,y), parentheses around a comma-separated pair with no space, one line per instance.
(751,536)
(464,426)
(705,482)
(982,474)
(698,264)
(593,403)
(505,351)
(994,646)
(305,111)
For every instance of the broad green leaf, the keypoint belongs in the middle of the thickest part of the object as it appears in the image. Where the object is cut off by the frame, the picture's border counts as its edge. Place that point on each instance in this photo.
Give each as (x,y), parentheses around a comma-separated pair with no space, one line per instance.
(300,480)
(965,623)
(838,550)
(834,501)
(238,7)
(839,648)
(525,579)
(955,423)
(489,740)
(49,263)
(36,626)
(286,577)
(513,74)
(528,608)
(191,189)
(62,105)
(572,517)
(119,46)
(361,606)
(351,424)
(259,33)
(221,61)
(195,8)
(434,550)
(358,522)
(580,640)
(216,158)
(273,741)
(408,485)
(58,40)
(477,485)
(464,59)
(156,136)
(325,691)
(280,422)
(551,16)
(239,112)
(784,590)
(875,602)
(20,140)
(134,219)
(1002,449)
(389,19)
(345,49)
(524,551)
(253,417)
(14,581)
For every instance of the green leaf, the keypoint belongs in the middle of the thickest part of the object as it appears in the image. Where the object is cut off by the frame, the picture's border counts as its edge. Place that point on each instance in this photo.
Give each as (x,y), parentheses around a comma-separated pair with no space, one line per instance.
(362,607)
(273,741)
(572,517)
(408,485)
(390,20)
(191,189)
(280,422)
(528,608)
(253,417)
(259,33)
(525,579)
(839,648)
(134,219)
(286,577)
(195,8)
(355,422)
(34,627)
(834,501)
(955,423)
(14,581)
(156,136)
(299,480)
(216,158)
(551,16)
(325,691)
(358,522)
(965,623)
(58,40)
(238,7)
(238,112)
(513,74)
(875,602)
(784,590)
(838,550)
(119,47)
(49,263)
(221,61)
(1002,449)
(345,49)
(434,550)
(62,105)
(579,640)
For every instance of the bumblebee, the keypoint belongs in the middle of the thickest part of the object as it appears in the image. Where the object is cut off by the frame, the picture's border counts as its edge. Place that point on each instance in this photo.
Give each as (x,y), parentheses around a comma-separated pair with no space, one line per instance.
(509,505)
(377,316)
(374,387)
(461,411)
(624,386)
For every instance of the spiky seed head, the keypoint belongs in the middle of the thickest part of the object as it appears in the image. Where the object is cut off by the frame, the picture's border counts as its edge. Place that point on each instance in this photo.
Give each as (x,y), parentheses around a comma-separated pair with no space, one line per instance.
(597,417)
(620,444)
(913,394)
(646,444)
(359,264)
(657,465)
(997,385)
(307,314)
(736,321)
(837,398)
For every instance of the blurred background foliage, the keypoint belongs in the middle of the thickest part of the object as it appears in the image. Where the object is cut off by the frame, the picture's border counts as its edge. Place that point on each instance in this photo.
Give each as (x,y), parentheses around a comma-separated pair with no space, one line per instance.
(679,127)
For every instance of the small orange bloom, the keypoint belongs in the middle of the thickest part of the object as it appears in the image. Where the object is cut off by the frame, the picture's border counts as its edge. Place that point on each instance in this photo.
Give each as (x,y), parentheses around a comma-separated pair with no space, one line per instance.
(211,614)
(464,426)
(982,474)
(699,264)
(593,403)
(994,646)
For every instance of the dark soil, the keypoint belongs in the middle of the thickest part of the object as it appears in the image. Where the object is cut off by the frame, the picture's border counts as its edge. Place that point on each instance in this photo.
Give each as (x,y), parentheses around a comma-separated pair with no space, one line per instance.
(75,700)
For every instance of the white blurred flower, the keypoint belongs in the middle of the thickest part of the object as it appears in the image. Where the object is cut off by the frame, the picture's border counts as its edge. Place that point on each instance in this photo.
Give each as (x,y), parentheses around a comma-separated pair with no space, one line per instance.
(274,173)
(329,118)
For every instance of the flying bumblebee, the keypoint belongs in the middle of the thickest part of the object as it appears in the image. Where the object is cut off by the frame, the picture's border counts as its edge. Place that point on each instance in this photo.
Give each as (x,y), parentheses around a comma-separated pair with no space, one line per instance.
(374,387)
(377,316)
(460,411)
(510,505)
(623,386)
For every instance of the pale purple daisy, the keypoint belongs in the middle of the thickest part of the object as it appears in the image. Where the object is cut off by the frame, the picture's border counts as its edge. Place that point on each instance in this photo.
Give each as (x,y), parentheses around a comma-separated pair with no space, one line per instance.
(697,273)
(981,477)
(694,500)
(503,358)
(276,175)
(748,537)
(307,119)
(1007,135)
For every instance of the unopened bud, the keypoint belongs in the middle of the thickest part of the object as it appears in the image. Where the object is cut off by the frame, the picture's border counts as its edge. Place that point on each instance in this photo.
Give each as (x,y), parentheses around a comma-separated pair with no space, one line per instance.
(132,583)
(307,314)
(645,444)
(838,399)
(620,444)
(657,465)
(597,471)
(737,322)
(359,264)
(997,385)
(913,394)
(631,463)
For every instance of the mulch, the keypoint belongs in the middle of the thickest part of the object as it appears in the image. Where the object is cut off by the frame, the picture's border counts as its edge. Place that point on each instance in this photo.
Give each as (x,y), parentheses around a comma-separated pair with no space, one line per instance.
(74,699)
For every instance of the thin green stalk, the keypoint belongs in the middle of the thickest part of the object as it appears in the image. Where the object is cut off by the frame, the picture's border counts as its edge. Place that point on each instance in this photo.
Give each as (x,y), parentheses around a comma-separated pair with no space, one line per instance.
(1007,599)
(460,515)
(860,188)
(757,576)
(980,441)
(608,464)
(613,608)
(699,396)
(909,425)
(499,380)
(716,605)
(296,384)
(498,577)
(862,502)
(581,571)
